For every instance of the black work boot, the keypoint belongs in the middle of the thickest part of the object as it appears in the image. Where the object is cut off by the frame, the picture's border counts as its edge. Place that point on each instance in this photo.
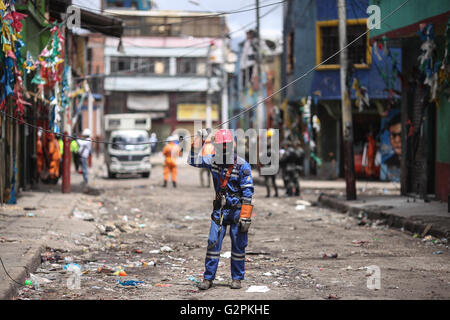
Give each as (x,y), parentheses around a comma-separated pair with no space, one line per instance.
(165,184)
(174,184)
(236,284)
(205,285)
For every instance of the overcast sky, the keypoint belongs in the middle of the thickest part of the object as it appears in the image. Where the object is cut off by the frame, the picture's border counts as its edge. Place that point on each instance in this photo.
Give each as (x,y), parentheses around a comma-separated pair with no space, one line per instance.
(271,24)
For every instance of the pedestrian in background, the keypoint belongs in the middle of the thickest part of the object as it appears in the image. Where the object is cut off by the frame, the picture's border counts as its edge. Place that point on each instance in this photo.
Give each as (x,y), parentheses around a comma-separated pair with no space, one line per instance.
(84,152)
(153,140)
(208,149)
(291,160)
(171,152)
(74,148)
(272,177)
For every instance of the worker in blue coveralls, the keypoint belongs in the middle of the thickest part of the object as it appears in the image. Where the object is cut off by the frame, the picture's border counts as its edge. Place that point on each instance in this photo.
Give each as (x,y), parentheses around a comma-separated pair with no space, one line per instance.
(233,184)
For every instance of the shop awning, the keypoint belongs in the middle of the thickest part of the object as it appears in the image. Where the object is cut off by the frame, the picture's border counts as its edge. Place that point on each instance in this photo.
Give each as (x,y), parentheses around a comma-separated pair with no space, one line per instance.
(95,22)
(148,102)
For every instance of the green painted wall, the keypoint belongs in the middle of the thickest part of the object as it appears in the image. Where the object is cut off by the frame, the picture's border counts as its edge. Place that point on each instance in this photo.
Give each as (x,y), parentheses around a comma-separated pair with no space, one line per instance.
(443,131)
(412,12)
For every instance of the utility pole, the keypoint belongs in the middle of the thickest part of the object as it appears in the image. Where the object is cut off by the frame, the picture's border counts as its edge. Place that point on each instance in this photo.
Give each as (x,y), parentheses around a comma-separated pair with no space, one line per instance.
(347,125)
(224,78)
(208,92)
(260,107)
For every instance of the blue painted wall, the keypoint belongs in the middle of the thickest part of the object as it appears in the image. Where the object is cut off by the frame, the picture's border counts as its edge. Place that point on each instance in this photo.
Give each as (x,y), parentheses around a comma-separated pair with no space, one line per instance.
(301,18)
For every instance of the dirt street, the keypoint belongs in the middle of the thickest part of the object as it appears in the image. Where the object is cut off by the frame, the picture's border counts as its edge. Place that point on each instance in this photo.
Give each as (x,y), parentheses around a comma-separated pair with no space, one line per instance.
(158,236)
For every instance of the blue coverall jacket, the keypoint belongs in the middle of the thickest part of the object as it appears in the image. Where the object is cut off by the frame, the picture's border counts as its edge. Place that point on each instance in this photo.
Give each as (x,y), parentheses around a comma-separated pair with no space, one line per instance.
(239,190)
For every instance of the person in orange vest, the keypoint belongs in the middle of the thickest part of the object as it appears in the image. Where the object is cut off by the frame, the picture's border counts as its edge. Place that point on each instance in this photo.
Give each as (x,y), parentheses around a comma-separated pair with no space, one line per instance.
(171,152)
(208,149)
(54,157)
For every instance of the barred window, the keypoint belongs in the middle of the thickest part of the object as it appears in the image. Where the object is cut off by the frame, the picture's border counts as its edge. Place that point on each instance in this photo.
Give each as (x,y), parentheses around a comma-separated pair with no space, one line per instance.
(328,39)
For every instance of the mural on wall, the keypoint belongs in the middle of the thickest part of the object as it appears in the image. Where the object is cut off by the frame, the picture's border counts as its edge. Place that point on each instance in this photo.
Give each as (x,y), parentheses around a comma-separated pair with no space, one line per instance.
(391,146)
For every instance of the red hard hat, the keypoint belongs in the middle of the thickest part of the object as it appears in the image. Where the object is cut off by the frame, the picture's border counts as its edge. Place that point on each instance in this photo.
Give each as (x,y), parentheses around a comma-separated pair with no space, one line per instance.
(223,136)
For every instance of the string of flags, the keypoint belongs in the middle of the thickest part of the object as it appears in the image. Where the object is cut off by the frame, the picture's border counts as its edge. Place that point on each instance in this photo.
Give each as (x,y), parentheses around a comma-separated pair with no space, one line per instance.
(50,73)
(436,71)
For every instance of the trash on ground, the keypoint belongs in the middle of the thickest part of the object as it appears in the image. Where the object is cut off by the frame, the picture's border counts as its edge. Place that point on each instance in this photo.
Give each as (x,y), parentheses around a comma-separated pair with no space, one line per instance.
(300,207)
(193,279)
(133,283)
(328,255)
(82,215)
(166,249)
(271,240)
(360,242)
(104,270)
(226,255)
(163,285)
(258,289)
(438,252)
(303,202)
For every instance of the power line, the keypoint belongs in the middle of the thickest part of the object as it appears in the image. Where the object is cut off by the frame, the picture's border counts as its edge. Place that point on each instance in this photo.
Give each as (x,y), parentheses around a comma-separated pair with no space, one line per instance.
(178,57)
(193,19)
(235,116)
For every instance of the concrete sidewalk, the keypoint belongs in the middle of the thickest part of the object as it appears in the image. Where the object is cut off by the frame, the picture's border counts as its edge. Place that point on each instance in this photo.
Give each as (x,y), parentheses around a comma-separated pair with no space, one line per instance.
(377,200)
(409,214)
(31,225)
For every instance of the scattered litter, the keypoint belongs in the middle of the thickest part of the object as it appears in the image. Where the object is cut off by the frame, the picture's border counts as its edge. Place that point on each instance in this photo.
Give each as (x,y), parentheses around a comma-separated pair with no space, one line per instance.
(360,242)
(303,202)
(125,218)
(425,231)
(332,297)
(142,225)
(30,215)
(155,251)
(137,250)
(438,252)
(133,283)
(82,215)
(258,289)
(328,256)
(163,285)
(267,274)
(320,286)
(226,255)
(300,207)
(193,279)
(166,249)
(104,270)
(69,265)
(271,240)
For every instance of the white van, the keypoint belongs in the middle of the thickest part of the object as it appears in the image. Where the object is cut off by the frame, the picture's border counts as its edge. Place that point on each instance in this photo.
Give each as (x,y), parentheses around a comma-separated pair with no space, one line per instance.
(128,151)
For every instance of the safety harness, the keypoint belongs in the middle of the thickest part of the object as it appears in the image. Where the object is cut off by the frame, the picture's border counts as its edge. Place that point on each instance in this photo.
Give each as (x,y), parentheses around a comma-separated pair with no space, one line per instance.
(221,199)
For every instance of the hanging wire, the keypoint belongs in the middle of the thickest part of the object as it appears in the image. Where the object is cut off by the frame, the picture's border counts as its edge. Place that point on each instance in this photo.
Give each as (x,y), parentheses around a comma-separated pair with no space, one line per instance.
(235,116)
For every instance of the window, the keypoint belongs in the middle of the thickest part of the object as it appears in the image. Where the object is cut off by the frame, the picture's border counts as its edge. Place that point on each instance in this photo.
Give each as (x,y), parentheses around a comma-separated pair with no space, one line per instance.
(139,65)
(187,66)
(327,44)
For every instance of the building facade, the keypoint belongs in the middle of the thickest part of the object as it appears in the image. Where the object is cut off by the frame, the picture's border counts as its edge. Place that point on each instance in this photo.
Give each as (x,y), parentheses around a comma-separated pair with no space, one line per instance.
(312,105)
(160,66)
(424,36)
